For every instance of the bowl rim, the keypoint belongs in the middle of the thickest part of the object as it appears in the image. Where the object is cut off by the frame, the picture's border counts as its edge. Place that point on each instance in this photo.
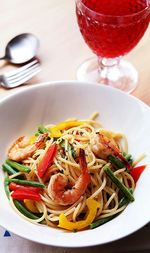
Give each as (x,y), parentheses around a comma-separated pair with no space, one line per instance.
(68,82)
(27,89)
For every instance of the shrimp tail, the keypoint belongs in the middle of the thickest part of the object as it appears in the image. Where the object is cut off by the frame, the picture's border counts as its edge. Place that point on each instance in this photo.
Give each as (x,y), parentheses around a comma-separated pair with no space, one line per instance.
(83,166)
(21,149)
(40,140)
(58,184)
(115,150)
(82,161)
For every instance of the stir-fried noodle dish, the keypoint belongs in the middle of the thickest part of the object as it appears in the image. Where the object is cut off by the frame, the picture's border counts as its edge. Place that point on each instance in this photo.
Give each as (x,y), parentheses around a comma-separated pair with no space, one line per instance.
(75,175)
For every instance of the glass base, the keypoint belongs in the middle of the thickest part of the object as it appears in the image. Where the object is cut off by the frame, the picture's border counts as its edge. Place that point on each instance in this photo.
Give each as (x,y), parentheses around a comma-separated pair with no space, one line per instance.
(118,73)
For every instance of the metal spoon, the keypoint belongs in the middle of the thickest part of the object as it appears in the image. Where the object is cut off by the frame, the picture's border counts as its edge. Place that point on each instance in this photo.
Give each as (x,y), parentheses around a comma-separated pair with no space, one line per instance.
(21,48)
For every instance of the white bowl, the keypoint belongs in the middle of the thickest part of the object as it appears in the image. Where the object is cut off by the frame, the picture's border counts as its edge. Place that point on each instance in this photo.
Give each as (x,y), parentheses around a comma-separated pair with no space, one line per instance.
(20,114)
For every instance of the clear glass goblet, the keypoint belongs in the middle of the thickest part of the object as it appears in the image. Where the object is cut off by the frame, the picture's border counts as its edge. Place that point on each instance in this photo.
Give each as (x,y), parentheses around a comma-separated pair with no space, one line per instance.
(111,29)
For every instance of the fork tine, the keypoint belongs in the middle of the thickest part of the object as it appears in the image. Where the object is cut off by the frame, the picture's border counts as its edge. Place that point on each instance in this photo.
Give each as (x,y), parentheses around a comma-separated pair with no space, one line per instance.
(20,69)
(25,78)
(21,73)
(18,78)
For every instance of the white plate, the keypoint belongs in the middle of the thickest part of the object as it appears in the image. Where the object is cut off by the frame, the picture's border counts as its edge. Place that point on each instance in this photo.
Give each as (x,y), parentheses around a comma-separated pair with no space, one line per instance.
(20,114)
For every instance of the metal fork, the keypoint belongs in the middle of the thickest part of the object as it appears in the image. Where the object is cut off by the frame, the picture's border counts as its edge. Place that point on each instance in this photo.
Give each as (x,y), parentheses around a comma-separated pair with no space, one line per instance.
(21,75)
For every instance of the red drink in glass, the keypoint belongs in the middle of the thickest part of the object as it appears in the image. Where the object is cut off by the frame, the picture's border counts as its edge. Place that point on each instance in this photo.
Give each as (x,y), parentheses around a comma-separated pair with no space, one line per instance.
(116,31)
(112,28)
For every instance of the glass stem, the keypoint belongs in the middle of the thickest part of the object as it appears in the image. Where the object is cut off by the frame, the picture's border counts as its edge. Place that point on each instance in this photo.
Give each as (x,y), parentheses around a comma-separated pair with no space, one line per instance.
(105,68)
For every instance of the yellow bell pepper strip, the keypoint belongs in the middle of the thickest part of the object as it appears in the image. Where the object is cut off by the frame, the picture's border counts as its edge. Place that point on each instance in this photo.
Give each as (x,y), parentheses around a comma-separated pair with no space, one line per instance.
(32,139)
(30,205)
(35,137)
(79,225)
(56,130)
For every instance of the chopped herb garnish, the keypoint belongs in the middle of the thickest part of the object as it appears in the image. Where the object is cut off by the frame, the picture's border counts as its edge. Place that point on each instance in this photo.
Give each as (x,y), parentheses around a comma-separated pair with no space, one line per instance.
(70,147)
(36,134)
(42,129)
(74,230)
(72,150)
(61,142)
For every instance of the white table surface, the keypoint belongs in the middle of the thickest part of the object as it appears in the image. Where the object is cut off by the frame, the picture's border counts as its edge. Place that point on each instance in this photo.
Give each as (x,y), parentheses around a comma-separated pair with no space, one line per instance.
(139,241)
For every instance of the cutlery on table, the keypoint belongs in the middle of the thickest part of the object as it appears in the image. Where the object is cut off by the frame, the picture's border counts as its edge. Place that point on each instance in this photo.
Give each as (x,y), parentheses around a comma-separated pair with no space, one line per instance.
(21,75)
(21,48)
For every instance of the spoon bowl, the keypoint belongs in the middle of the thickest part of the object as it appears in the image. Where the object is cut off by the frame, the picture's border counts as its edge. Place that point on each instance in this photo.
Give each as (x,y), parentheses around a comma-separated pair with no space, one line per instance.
(21,48)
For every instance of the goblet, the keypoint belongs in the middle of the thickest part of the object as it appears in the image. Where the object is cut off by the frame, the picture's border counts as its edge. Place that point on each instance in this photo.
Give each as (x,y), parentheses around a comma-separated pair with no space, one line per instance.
(111,29)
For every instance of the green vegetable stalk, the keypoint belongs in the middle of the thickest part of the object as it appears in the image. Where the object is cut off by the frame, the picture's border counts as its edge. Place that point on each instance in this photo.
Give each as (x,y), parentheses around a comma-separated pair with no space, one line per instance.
(18,166)
(8,169)
(127,193)
(26,182)
(24,211)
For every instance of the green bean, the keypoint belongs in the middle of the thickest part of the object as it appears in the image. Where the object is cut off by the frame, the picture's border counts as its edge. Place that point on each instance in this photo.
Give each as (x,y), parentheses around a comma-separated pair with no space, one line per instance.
(24,211)
(26,182)
(8,169)
(100,222)
(118,183)
(18,166)
(6,187)
(128,157)
(115,161)
(42,130)
(123,201)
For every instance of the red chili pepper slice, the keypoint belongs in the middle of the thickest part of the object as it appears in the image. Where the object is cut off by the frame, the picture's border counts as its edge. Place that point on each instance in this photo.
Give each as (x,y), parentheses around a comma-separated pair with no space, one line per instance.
(13,186)
(47,160)
(21,195)
(137,171)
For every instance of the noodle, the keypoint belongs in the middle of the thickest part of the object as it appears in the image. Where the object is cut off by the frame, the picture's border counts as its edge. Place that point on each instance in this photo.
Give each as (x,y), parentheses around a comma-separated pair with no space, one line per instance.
(66,163)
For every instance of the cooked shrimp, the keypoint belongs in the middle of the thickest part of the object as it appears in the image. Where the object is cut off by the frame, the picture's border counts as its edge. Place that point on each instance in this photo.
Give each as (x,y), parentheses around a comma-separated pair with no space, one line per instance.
(50,171)
(58,183)
(21,150)
(102,147)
